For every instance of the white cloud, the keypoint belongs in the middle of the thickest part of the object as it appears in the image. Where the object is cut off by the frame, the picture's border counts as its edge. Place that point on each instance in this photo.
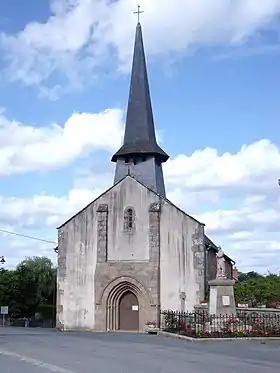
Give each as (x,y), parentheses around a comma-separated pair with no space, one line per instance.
(254,167)
(30,148)
(237,196)
(37,216)
(241,217)
(81,34)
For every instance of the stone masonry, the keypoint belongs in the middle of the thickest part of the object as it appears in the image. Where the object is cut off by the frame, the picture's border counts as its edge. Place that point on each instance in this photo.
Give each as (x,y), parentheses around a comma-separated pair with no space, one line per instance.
(61,275)
(143,276)
(102,234)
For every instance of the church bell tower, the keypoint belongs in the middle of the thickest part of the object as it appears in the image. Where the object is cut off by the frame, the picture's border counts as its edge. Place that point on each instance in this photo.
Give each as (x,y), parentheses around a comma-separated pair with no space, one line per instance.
(140,156)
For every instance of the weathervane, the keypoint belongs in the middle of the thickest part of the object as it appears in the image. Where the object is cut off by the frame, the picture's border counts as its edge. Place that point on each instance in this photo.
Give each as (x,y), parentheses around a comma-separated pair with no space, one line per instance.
(138,12)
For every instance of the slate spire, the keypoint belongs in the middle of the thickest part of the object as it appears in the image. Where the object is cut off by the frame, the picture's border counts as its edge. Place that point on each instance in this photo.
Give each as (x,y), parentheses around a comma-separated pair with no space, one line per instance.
(139,135)
(140,145)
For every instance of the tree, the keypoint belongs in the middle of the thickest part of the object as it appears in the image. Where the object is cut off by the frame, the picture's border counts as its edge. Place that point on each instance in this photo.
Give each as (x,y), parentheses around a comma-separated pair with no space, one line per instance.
(247,276)
(37,283)
(9,291)
(30,288)
(256,289)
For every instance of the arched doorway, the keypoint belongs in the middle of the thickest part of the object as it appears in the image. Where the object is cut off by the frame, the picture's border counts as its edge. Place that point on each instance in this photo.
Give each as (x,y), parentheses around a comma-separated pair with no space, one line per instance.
(128,312)
(115,296)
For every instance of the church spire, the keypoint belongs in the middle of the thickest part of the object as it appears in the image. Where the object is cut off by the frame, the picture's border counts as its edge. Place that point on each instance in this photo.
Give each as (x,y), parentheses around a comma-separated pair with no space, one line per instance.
(139,135)
(140,148)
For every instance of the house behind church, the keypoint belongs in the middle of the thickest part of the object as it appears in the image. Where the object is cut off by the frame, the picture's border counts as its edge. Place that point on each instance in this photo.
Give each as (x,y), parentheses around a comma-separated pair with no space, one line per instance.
(132,252)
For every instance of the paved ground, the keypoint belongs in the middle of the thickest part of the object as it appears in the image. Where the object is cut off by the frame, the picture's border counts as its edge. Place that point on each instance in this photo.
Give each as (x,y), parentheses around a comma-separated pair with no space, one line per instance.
(38,351)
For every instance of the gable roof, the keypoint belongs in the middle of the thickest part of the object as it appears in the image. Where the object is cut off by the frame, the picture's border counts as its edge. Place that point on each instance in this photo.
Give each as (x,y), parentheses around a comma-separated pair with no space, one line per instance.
(89,204)
(168,201)
(208,242)
(145,186)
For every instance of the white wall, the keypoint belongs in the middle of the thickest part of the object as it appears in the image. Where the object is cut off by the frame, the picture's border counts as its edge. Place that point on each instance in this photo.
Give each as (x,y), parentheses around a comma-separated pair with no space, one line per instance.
(123,246)
(76,290)
(77,286)
(80,246)
(177,259)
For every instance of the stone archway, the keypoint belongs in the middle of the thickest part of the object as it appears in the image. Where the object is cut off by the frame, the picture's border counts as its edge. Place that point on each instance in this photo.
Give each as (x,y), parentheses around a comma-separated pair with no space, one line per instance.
(108,303)
(122,313)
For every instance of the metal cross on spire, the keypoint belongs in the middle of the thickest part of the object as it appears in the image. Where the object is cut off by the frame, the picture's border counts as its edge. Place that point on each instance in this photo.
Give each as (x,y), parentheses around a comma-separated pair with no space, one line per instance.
(138,12)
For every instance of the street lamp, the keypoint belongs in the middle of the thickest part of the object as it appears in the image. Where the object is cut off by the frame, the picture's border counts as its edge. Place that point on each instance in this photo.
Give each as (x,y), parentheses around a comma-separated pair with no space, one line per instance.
(2,260)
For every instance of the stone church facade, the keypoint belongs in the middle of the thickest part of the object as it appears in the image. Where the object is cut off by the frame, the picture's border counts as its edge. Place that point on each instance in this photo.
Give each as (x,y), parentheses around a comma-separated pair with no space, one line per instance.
(131,252)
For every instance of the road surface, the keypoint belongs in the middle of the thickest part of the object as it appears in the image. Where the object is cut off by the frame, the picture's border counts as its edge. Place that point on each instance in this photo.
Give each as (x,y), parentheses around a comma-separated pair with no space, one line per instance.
(44,351)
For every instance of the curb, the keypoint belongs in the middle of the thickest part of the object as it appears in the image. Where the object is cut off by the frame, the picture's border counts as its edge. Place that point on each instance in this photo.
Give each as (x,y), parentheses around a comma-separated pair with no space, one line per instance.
(177,336)
(186,338)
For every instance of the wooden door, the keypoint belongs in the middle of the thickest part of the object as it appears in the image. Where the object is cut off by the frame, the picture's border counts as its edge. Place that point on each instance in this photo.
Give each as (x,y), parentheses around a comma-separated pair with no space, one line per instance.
(129,312)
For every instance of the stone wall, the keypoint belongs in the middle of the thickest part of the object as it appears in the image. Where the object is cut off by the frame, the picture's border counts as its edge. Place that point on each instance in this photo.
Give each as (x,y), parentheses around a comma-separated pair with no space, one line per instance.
(182,259)
(258,310)
(139,277)
(204,307)
(164,257)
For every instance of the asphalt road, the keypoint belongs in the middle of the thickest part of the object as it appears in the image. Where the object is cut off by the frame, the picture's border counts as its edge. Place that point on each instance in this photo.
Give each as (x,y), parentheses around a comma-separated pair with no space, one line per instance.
(42,351)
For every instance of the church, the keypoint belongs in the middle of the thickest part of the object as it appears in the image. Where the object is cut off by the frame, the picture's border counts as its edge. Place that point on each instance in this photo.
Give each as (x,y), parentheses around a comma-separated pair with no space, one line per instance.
(131,252)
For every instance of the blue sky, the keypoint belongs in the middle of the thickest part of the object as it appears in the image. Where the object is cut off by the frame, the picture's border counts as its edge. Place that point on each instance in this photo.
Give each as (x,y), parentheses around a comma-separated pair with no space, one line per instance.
(214,78)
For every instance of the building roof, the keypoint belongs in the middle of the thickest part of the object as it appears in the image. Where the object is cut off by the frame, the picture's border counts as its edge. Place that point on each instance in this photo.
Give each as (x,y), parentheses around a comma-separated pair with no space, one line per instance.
(107,190)
(208,243)
(139,137)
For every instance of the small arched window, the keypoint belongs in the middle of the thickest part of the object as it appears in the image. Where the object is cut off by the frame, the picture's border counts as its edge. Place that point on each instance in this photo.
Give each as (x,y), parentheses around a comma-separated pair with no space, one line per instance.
(129,220)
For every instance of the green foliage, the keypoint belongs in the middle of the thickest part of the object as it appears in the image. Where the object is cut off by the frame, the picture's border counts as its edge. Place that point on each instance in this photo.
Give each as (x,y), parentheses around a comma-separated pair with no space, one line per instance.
(30,288)
(257,290)
(247,276)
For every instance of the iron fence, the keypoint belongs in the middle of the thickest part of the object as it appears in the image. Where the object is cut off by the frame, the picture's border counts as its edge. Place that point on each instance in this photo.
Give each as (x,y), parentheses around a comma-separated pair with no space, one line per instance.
(200,324)
(29,323)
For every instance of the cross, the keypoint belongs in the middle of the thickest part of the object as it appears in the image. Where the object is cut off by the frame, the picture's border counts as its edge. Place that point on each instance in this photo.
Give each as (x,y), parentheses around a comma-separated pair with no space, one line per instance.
(138,12)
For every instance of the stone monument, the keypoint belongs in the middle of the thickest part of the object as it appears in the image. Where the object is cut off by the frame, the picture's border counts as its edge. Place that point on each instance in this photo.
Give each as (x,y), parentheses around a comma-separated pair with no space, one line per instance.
(221,300)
